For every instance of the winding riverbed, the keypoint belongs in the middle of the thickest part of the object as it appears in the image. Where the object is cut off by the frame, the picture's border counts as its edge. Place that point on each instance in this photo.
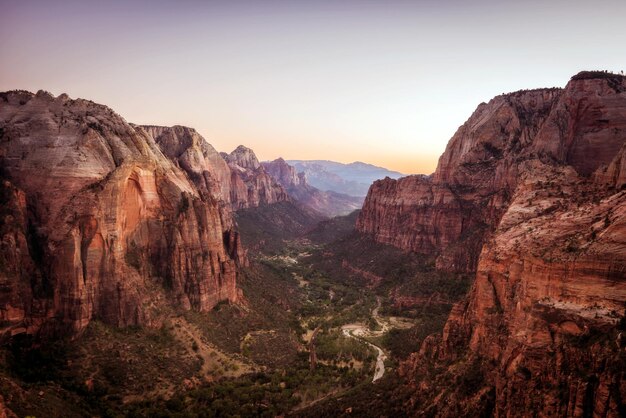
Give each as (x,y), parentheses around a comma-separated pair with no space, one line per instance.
(357,331)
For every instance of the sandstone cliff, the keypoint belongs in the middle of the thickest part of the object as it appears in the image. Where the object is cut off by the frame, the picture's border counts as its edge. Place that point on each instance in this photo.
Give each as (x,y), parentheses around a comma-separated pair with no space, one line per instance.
(251,185)
(450,213)
(534,180)
(327,203)
(98,223)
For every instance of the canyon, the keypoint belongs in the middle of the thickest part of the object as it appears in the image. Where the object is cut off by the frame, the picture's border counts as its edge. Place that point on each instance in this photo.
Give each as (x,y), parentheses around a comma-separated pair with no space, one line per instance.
(495,286)
(528,196)
(104,218)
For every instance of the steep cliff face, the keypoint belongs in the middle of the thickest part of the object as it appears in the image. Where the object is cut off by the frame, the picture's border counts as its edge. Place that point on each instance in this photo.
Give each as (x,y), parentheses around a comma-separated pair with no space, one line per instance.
(451,212)
(98,222)
(541,330)
(543,316)
(251,185)
(190,151)
(284,173)
(327,203)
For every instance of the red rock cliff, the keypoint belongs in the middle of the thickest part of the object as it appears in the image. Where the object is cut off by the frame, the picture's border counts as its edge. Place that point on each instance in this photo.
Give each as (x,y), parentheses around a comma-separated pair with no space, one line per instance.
(97,222)
(327,203)
(450,213)
(251,185)
(541,331)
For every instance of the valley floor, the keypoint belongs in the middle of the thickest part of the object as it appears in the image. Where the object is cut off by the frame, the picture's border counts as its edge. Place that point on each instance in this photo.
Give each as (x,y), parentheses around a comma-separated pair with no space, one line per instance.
(309,331)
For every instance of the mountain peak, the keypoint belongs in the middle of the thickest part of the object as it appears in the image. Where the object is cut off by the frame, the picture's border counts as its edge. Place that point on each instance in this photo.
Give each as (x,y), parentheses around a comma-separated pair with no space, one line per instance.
(244,157)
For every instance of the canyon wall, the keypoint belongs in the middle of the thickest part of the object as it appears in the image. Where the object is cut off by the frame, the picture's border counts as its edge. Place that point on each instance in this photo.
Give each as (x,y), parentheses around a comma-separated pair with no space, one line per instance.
(327,203)
(536,178)
(449,213)
(98,223)
(236,178)
(251,185)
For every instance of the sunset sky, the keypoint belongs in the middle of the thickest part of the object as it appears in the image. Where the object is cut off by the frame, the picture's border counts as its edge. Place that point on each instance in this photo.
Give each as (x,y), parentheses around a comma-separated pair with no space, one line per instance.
(385,82)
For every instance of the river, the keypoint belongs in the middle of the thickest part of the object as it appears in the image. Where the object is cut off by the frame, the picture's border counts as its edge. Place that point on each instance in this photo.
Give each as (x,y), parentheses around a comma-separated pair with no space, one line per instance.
(358,331)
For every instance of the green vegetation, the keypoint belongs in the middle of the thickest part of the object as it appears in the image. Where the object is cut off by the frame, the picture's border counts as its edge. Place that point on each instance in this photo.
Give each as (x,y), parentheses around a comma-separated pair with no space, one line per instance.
(259,364)
(257,394)
(402,342)
(269,227)
(588,75)
(334,346)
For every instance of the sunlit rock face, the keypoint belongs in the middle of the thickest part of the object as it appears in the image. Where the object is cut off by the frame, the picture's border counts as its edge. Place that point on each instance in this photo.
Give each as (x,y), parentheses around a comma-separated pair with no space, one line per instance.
(98,221)
(284,173)
(530,195)
(251,185)
(451,213)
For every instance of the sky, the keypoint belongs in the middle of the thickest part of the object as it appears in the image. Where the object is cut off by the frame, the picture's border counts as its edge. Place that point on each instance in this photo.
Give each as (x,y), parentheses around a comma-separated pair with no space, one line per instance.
(384,82)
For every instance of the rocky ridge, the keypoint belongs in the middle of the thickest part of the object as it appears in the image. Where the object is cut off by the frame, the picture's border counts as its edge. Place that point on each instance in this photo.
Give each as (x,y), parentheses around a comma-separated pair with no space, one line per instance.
(327,203)
(529,195)
(450,213)
(98,223)
(352,179)
(251,185)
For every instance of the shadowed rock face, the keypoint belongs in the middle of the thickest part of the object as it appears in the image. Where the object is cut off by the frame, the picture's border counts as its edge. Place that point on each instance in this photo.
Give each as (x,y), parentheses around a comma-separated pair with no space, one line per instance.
(251,185)
(450,213)
(533,181)
(327,203)
(99,221)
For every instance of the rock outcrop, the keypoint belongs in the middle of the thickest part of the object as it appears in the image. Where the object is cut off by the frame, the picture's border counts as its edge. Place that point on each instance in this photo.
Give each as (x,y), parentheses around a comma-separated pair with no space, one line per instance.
(352,179)
(534,180)
(251,185)
(327,203)
(98,222)
(285,174)
(192,153)
(450,213)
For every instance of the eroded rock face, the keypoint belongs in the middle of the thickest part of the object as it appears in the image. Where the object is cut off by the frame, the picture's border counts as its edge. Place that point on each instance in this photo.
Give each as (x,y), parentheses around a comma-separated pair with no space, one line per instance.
(540,332)
(543,313)
(327,203)
(101,221)
(190,151)
(251,185)
(284,173)
(451,212)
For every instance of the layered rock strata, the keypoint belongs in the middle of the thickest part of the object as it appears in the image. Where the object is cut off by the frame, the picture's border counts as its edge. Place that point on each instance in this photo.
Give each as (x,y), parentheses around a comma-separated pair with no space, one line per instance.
(451,212)
(327,203)
(98,222)
(251,185)
(537,179)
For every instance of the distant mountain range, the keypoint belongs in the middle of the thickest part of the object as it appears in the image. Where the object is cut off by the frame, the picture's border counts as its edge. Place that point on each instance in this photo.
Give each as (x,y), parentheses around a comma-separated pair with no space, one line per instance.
(353,179)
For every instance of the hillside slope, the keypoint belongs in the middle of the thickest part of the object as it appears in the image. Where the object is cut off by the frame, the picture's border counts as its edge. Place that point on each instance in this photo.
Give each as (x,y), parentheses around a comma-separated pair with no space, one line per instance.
(529,195)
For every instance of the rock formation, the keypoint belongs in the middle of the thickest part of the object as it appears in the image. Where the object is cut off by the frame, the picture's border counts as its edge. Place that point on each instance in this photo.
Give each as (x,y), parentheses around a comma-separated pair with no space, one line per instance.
(284,173)
(327,203)
(449,213)
(192,153)
(97,221)
(529,194)
(251,186)
(352,179)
